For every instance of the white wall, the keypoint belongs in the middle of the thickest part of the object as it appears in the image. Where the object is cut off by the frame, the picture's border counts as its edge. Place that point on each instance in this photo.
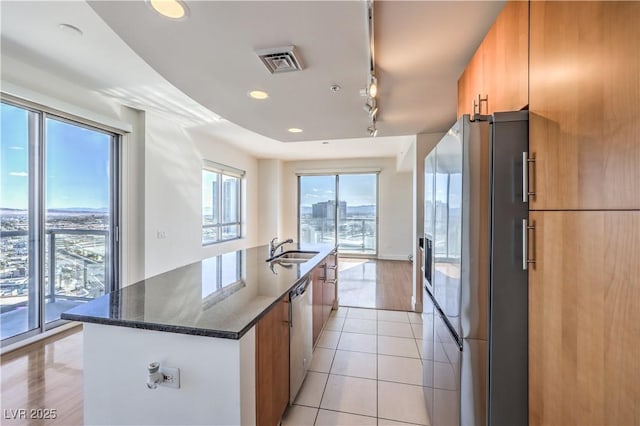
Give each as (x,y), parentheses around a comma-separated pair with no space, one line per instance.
(217,378)
(269,196)
(173,194)
(394,197)
(132,202)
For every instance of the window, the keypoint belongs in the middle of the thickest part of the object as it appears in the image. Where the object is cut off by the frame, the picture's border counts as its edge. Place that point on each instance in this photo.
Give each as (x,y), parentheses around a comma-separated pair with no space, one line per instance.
(58,222)
(340,208)
(221,203)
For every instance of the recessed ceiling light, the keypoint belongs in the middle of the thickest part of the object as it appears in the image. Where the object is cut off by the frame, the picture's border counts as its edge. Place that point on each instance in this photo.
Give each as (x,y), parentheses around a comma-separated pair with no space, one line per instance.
(258,94)
(294,130)
(172,9)
(70,29)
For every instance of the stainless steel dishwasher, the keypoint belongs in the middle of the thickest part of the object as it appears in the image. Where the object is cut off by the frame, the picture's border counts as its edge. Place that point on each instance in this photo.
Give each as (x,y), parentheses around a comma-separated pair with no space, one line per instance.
(300,342)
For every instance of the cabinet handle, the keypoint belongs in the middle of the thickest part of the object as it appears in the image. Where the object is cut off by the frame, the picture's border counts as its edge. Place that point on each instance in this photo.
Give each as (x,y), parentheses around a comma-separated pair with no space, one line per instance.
(332,267)
(525,244)
(486,102)
(476,108)
(331,281)
(525,177)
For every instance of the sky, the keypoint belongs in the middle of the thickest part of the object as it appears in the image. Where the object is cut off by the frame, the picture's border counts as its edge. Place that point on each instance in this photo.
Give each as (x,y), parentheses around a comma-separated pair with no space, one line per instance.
(356,189)
(77,163)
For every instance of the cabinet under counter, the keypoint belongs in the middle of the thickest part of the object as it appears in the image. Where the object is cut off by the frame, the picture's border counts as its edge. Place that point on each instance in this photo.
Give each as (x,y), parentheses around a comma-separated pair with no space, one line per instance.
(214,321)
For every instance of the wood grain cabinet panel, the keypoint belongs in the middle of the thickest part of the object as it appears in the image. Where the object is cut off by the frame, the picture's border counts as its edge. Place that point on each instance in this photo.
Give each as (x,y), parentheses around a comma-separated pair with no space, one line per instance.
(505,60)
(499,69)
(470,84)
(324,280)
(584,103)
(584,318)
(272,364)
(329,287)
(317,281)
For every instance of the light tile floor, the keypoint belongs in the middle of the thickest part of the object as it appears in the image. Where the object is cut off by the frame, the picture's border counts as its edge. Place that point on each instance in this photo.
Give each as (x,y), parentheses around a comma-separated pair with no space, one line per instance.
(366,370)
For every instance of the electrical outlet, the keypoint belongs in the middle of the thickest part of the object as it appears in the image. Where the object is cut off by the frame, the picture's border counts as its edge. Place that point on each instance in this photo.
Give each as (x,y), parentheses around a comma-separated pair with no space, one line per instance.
(171,377)
(161,235)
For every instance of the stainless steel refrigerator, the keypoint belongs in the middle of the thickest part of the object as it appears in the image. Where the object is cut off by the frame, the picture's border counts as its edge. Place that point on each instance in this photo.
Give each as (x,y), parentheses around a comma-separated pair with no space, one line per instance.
(476,297)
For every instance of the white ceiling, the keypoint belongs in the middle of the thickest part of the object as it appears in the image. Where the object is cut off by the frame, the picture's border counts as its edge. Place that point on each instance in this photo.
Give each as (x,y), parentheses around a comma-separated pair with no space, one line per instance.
(201,68)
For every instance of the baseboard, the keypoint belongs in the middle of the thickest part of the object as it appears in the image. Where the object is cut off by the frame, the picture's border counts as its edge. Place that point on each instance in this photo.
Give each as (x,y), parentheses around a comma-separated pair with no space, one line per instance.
(393,257)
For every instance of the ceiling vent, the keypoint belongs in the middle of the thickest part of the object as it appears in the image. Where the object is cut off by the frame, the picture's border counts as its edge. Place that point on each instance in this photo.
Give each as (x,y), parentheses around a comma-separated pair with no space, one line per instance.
(280,59)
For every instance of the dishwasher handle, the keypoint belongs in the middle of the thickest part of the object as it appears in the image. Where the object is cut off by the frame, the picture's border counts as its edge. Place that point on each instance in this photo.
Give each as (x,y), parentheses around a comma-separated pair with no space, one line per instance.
(294,294)
(290,312)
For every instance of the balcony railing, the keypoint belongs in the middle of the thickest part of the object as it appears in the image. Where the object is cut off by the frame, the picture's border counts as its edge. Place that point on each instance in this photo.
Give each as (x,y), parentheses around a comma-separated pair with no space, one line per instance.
(354,234)
(76,270)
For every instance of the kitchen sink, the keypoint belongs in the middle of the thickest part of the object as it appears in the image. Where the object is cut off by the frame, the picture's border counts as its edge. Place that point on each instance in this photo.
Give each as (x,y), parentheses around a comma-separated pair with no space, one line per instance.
(293,256)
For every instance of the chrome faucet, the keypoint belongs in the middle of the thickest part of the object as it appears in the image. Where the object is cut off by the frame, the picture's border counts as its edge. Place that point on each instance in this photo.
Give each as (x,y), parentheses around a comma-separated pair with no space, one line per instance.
(274,245)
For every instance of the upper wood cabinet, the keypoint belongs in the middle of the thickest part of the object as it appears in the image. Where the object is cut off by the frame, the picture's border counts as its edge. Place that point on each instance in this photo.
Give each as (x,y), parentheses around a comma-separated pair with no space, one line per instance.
(470,84)
(272,364)
(584,320)
(584,103)
(498,71)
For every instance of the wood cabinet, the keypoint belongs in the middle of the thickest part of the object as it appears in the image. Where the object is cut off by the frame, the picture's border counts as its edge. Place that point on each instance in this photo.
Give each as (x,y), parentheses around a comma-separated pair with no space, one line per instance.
(584,318)
(325,281)
(499,68)
(317,308)
(470,84)
(329,286)
(584,103)
(272,364)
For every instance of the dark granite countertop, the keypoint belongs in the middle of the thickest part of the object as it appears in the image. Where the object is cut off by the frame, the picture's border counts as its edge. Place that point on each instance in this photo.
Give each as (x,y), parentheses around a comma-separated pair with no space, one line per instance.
(223,296)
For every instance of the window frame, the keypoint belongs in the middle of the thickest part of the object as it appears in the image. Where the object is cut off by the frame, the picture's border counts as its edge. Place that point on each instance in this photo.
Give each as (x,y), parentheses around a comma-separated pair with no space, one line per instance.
(223,170)
(336,174)
(37,207)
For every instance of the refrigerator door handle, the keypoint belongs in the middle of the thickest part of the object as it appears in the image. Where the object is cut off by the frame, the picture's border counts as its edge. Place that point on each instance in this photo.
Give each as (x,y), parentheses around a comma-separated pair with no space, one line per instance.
(525,244)
(525,177)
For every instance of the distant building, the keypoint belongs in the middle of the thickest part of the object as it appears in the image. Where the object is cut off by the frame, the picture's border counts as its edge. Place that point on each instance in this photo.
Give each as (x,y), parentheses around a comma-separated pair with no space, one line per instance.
(326,209)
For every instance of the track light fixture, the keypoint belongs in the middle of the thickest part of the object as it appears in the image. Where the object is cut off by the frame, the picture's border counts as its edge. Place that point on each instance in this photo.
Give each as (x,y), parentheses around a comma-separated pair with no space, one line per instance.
(372,129)
(371,90)
(371,107)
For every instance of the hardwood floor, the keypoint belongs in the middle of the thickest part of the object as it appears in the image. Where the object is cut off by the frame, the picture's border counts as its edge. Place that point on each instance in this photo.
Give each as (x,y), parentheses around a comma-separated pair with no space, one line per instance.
(41,378)
(380,284)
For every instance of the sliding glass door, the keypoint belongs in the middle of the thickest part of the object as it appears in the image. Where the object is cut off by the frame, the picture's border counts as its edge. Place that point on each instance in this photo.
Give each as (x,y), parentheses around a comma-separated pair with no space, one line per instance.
(340,208)
(19,296)
(317,209)
(58,204)
(77,215)
(357,214)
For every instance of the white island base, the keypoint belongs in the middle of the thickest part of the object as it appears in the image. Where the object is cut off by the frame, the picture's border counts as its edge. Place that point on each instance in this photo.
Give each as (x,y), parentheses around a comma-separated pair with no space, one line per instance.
(217,378)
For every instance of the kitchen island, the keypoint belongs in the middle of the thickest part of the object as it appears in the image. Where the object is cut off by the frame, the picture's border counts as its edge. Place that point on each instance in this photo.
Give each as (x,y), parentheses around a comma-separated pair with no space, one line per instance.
(207,319)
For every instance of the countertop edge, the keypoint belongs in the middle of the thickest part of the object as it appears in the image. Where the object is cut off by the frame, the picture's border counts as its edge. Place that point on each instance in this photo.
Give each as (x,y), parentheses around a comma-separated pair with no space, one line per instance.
(205,332)
(194,331)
